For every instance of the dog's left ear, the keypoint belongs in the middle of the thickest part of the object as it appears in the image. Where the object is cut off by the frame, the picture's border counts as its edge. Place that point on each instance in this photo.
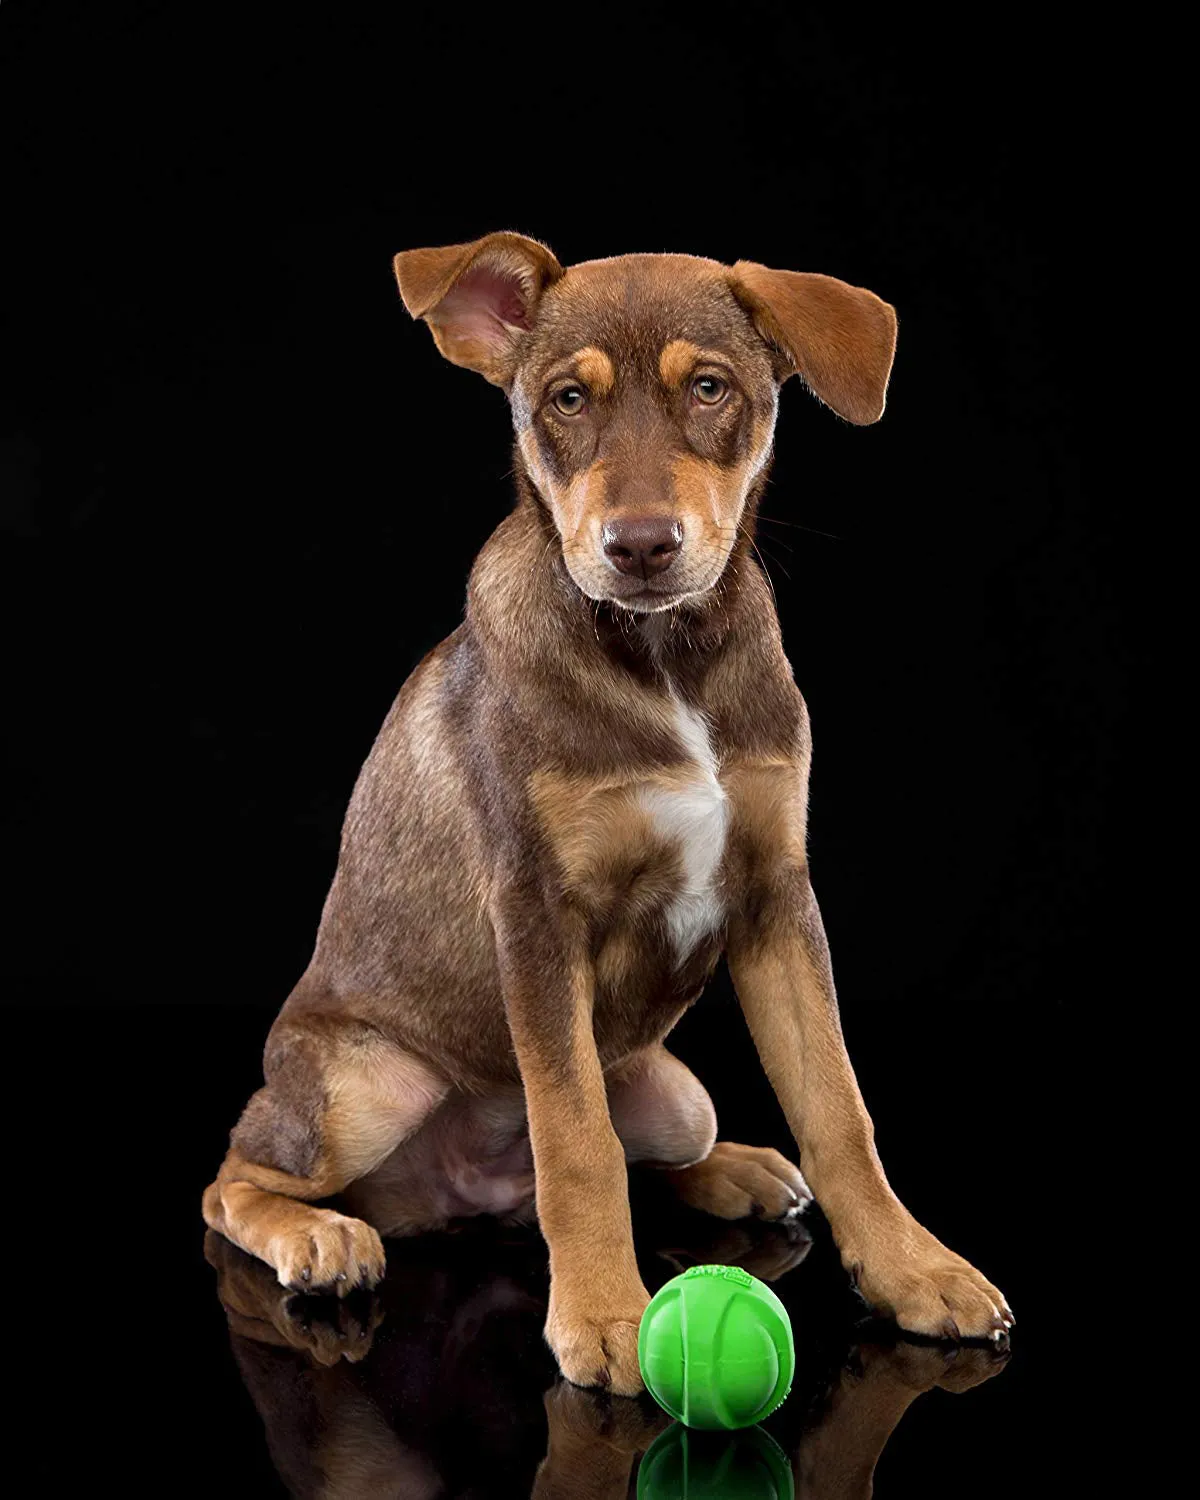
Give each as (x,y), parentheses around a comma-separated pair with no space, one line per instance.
(841,339)
(478,298)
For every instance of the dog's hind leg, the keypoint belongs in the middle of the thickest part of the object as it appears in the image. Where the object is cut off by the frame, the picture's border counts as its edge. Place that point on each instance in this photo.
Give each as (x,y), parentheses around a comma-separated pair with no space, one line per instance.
(661,1111)
(665,1118)
(339,1097)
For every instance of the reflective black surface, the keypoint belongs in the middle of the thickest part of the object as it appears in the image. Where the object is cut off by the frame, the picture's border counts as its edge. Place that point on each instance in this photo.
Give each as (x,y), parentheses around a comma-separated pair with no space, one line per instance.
(440,1382)
(168,1360)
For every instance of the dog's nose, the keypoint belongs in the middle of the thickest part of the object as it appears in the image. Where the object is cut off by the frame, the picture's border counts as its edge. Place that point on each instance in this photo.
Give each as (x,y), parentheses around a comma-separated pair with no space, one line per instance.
(641,544)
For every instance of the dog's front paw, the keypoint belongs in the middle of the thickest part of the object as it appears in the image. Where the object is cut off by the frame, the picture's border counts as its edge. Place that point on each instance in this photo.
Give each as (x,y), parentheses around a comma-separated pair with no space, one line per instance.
(598,1346)
(329,1252)
(903,1272)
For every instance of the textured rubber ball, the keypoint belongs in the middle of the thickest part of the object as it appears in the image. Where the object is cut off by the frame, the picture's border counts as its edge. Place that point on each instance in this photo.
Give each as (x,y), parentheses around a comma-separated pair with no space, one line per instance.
(715,1347)
(683,1465)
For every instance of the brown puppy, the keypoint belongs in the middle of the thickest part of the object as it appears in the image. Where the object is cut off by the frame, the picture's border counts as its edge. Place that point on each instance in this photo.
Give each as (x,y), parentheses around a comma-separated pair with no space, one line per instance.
(579,799)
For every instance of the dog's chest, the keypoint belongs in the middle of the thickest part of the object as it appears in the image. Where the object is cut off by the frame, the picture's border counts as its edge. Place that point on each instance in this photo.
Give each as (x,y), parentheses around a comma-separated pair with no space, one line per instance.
(643,853)
(689,813)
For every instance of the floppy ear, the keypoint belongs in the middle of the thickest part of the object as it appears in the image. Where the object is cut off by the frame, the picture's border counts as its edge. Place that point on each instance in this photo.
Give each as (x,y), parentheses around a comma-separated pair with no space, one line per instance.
(840,338)
(479,298)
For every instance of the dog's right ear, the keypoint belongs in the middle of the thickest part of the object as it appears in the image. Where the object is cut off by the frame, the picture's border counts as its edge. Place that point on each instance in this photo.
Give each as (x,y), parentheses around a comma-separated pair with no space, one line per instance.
(479,299)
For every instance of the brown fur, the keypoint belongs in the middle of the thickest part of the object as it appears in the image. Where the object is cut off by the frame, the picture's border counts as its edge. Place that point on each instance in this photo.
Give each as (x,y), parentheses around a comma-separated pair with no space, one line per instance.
(579,799)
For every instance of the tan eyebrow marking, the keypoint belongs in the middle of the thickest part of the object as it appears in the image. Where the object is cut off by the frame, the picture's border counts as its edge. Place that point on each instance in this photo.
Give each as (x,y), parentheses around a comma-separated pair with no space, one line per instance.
(678,359)
(595,369)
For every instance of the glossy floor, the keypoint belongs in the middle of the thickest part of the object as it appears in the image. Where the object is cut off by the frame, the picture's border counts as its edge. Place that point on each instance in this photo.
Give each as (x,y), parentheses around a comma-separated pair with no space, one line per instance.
(441,1385)
(167,1362)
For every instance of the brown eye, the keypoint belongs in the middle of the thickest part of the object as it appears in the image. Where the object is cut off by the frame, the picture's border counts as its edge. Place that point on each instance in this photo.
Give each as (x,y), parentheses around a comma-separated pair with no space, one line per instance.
(709,390)
(570,400)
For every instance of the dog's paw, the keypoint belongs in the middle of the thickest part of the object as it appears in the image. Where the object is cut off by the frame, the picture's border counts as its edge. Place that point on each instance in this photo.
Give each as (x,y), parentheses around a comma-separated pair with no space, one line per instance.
(598,1348)
(328,1253)
(908,1275)
(738,1182)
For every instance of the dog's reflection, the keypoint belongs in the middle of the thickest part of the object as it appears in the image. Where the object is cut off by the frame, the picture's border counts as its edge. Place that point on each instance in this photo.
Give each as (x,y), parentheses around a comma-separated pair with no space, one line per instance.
(440,1384)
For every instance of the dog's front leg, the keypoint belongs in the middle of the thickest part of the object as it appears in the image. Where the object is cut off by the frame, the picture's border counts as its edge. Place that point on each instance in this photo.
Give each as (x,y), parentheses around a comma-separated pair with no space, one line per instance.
(780,965)
(596,1293)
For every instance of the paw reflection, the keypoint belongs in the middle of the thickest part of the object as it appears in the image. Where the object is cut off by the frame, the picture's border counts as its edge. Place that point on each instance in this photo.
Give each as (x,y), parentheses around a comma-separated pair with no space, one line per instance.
(767,1251)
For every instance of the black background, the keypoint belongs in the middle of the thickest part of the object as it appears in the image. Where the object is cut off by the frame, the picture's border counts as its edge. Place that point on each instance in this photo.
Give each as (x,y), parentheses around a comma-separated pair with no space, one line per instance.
(241,494)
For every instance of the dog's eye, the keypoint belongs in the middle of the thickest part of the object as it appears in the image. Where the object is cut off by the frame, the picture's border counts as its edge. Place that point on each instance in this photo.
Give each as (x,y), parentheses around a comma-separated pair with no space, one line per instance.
(570,400)
(709,390)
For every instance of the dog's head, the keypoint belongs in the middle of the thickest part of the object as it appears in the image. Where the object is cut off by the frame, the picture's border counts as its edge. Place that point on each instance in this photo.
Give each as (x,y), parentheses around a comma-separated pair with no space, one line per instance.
(644,390)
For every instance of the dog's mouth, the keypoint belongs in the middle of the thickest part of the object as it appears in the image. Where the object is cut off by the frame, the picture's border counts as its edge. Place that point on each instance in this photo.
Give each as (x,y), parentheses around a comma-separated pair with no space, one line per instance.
(640,595)
(646,597)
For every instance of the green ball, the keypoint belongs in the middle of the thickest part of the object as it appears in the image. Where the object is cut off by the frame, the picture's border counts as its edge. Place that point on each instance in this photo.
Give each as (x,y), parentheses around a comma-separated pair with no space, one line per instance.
(715,1348)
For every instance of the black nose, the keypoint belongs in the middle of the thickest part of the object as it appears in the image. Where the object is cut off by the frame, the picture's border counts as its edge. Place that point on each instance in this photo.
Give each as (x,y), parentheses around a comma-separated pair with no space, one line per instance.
(641,544)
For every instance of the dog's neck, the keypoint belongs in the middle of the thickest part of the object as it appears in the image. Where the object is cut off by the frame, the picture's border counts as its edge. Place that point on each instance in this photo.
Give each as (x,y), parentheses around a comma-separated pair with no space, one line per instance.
(599,688)
(529,613)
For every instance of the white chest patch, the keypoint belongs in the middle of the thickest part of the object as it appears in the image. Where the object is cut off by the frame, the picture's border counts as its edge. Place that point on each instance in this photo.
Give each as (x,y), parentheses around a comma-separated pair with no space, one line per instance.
(695,818)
